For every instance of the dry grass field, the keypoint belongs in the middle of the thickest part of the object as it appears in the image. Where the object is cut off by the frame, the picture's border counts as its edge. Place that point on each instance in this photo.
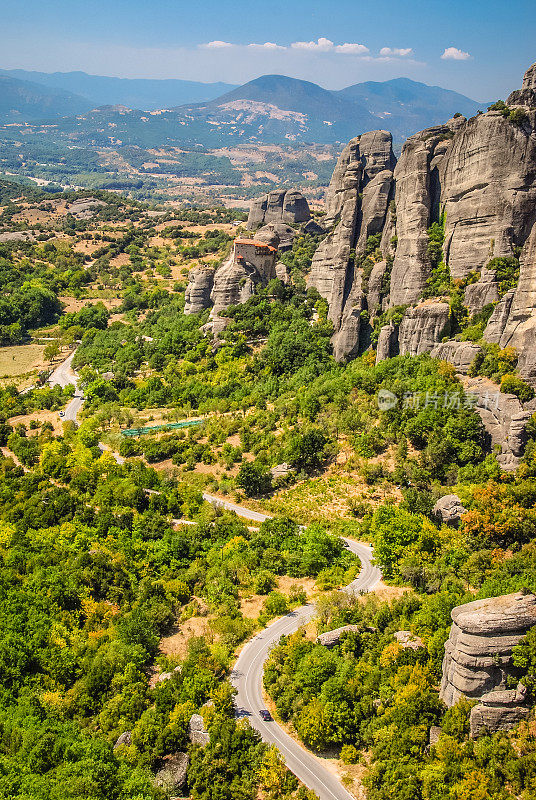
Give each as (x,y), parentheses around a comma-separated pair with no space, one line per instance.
(19,361)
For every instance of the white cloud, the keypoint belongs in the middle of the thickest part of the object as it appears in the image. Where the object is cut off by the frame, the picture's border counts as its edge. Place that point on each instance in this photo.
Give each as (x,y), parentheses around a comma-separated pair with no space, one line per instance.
(216,45)
(396,51)
(453,54)
(322,45)
(267,46)
(352,49)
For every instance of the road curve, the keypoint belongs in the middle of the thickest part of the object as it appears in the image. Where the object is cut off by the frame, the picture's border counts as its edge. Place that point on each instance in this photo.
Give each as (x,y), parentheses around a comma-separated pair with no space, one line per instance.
(247,675)
(247,678)
(62,376)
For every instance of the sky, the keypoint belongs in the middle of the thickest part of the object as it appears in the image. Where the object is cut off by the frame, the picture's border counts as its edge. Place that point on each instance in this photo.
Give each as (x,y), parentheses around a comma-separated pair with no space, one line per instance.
(480,48)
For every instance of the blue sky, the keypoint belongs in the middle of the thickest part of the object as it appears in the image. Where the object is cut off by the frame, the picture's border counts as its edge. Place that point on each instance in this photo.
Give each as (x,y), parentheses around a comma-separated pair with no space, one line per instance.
(475,47)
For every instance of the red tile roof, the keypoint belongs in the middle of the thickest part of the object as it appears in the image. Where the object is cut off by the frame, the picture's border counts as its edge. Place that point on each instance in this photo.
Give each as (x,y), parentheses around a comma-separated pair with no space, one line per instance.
(256,243)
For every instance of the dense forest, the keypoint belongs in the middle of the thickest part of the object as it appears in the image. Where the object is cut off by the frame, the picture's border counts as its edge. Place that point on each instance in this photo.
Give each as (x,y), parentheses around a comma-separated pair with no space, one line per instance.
(99,565)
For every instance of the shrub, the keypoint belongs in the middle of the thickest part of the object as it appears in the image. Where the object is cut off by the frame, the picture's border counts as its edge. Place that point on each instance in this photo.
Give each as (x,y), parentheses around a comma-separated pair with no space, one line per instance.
(511,384)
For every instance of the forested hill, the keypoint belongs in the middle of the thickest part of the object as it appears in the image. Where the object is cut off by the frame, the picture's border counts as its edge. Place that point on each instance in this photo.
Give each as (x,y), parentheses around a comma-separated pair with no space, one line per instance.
(121,623)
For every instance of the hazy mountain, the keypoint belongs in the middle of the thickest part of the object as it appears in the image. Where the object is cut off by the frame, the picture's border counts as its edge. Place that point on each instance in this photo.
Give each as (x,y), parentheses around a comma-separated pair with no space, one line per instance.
(273,109)
(24,100)
(410,103)
(142,93)
(402,106)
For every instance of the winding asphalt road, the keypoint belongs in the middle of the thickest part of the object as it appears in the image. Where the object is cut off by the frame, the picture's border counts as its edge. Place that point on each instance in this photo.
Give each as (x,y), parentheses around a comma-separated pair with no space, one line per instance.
(247,675)
(247,678)
(62,376)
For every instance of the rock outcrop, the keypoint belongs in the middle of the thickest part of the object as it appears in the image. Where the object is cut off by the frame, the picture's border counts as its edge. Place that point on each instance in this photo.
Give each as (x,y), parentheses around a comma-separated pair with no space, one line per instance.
(476,179)
(504,418)
(197,733)
(460,354)
(331,638)
(387,346)
(526,96)
(124,740)
(172,776)
(513,322)
(366,161)
(478,659)
(252,262)
(288,206)
(449,509)
(198,291)
(422,328)
(277,234)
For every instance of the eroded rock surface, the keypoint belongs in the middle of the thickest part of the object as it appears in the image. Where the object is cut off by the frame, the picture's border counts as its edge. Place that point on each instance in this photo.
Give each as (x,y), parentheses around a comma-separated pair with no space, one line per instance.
(423,327)
(364,168)
(460,354)
(332,638)
(449,509)
(478,659)
(172,776)
(198,291)
(288,206)
(504,418)
(197,733)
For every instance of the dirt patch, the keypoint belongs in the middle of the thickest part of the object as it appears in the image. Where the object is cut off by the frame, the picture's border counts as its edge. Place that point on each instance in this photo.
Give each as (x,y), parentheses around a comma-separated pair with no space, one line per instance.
(39,416)
(176,644)
(251,607)
(73,304)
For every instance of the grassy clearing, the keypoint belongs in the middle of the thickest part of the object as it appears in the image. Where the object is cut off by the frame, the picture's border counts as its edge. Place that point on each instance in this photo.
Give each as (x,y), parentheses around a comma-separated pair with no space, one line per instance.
(328,499)
(20,360)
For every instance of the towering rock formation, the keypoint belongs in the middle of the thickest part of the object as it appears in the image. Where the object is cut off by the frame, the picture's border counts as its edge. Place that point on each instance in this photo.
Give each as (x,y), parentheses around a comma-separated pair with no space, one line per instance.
(478,659)
(415,197)
(513,322)
(356,207)
(476,178)
(279,206)
(197,295)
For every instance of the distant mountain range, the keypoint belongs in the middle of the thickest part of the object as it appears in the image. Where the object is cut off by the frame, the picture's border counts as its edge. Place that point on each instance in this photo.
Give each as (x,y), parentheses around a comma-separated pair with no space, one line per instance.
(270,109)
(22,101)
(141,93)
(401,106)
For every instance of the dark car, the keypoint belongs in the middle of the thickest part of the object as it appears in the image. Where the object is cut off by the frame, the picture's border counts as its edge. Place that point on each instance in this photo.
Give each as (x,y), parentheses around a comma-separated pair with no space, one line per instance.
(267,717)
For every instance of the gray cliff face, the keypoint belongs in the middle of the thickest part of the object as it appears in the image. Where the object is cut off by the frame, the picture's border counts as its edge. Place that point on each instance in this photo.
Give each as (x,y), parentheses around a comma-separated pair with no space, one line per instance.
(234,283)
(364,168)
(414,201)
(376,196)
(513,322)
(460,354)
(478,659)
(197,295)
(422,328)
(504,418)
(289,207)
(477,178)
(488,191)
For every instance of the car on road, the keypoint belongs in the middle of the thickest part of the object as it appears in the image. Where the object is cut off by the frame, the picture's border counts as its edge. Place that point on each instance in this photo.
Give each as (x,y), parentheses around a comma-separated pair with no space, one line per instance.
(266,716)
(62,413)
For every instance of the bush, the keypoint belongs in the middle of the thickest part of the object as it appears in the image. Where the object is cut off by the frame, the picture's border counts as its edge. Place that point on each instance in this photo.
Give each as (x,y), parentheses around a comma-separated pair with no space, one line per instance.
(511,384)
(276,604)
